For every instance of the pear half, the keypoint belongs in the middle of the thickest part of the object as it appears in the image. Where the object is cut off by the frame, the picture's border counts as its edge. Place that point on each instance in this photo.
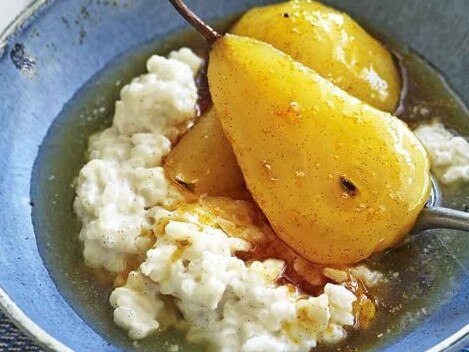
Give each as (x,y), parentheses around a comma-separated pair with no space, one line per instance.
(337,179)
(332,44)
(204,163)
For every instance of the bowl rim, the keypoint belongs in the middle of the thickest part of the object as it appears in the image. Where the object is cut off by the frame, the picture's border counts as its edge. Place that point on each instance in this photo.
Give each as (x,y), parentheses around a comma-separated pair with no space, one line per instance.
(7,305)
(29,327)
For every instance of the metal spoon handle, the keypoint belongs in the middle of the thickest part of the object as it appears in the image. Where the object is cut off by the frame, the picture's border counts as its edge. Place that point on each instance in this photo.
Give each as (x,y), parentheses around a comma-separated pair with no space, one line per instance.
(441,218)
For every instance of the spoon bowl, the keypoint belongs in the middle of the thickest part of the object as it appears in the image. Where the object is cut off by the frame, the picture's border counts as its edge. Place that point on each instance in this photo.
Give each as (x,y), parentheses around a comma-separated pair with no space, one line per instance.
(433,216)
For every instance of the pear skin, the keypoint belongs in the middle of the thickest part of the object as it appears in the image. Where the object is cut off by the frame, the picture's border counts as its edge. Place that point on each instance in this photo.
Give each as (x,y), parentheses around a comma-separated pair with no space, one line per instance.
(332,44)
(337,179)
(313,34)
(204,163)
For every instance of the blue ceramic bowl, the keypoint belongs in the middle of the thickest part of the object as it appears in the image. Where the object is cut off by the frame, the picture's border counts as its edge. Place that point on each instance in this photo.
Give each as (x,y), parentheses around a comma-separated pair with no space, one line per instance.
(58,65)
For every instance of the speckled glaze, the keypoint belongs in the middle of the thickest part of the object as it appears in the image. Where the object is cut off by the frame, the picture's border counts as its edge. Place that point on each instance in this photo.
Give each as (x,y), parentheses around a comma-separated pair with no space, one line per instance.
(55,47)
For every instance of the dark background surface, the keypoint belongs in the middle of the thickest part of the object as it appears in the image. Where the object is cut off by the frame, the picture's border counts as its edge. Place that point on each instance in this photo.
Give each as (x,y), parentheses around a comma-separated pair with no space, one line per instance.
(11,339)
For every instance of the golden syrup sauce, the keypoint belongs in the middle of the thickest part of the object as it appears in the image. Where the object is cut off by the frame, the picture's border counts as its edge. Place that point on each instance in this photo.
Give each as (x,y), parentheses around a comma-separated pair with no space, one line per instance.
(301,276)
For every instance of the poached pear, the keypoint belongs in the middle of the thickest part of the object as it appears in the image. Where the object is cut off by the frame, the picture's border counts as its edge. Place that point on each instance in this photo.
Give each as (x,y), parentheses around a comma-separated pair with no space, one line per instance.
(313,34)
(337,179)
(299,28)
(203,161)
(332,44)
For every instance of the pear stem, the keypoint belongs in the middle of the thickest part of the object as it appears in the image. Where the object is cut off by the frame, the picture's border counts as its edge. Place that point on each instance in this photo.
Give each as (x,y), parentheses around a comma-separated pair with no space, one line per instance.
(210,35)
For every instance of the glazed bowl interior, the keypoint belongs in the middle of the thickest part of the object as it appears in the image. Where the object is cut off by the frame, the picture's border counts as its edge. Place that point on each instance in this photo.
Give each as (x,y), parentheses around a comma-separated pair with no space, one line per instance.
(61,70)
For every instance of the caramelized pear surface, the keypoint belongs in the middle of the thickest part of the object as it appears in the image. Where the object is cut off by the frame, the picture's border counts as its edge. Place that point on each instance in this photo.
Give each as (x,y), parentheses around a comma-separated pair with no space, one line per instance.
(313,34)
(204,163)
(337,179)
(332,44)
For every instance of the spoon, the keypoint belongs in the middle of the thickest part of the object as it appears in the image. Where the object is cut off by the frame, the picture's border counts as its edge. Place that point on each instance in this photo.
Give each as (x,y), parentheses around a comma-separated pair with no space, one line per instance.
(433,216)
